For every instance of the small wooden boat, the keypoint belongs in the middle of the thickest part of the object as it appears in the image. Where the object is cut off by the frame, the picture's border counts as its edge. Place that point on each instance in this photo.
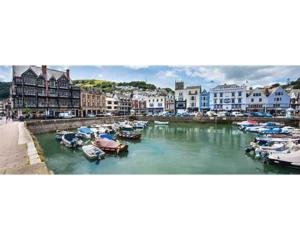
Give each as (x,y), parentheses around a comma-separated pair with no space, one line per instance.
(161,123)
(129,135)
(93,152)
(70,140)
(110,145)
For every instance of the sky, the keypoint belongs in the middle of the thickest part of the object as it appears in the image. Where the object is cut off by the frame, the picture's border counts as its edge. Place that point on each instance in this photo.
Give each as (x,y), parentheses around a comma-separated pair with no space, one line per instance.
(165,76)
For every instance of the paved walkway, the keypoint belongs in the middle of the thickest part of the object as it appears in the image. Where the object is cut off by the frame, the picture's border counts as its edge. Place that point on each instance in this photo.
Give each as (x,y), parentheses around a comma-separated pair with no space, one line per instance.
(13,150)
(12,154)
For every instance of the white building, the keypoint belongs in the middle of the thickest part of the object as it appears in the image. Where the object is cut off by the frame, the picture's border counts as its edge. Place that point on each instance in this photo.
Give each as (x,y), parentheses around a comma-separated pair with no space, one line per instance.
(187,98)
(268,100)
(192,94)
(112,103)
(155,104)
(228,97)
(256,100)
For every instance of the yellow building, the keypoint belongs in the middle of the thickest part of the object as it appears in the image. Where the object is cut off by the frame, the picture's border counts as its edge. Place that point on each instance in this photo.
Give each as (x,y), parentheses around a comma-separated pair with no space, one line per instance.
(92,102)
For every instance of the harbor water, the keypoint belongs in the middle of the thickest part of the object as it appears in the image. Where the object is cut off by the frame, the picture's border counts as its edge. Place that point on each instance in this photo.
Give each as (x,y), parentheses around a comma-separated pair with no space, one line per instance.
(180,148)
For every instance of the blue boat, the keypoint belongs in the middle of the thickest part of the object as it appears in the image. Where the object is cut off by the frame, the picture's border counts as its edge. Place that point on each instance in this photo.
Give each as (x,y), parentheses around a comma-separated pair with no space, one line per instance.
(275,130)
(85,132)
(107,136)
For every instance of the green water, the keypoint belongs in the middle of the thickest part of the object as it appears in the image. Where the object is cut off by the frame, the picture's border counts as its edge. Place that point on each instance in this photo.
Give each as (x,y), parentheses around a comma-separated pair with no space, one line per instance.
(180,148)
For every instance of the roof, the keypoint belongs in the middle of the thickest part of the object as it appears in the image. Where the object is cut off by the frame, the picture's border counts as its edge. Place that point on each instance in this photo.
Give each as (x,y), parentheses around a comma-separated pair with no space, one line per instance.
(227,86)
(192,87)
(19,70)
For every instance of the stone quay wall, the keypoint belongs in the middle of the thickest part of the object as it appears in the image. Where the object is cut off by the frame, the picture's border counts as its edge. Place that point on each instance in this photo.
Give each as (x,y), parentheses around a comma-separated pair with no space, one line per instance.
(44,126)
(218,120)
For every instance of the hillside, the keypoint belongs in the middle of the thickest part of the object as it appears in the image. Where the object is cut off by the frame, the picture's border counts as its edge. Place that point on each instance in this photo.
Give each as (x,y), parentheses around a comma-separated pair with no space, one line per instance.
(108,86)
(4,90)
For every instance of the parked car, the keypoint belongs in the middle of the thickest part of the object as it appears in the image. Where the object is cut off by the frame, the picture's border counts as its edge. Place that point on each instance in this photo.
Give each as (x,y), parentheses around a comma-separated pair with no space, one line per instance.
(211,114)
(221,114)
(91,115)
(65,115)
(237,114)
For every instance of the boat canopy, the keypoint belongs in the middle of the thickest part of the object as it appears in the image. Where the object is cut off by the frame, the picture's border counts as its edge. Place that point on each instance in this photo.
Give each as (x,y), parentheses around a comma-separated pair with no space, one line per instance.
(85,130)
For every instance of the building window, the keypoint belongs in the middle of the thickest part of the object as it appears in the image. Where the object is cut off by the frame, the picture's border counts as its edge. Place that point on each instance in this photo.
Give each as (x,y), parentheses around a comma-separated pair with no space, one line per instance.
(232,100)
(239,100)
(240,94)
(252,99)
(260,99)
(221,94)
(221,100)
(215,95)
(233,94)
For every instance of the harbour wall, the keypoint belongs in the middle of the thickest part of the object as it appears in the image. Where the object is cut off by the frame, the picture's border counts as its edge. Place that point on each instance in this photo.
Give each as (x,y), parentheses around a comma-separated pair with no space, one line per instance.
(218,120)
(44,126)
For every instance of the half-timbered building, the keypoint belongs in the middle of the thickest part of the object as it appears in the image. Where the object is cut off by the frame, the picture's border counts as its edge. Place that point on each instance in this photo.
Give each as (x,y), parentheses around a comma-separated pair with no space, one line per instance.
(43,91)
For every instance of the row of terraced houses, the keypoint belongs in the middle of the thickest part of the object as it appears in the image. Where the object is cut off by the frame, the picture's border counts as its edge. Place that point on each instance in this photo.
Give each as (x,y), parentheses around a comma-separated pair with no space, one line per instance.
(44,91)
(232,97)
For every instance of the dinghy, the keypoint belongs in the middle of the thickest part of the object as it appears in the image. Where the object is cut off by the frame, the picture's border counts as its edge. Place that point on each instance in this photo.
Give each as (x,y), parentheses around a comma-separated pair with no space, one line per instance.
(93,152)
(161,123)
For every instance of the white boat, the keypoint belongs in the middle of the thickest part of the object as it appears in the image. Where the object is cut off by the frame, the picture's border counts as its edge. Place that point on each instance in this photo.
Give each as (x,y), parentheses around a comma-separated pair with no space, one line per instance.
(93,152)
(161,123)
(274,148)
(70,140)
(291,159)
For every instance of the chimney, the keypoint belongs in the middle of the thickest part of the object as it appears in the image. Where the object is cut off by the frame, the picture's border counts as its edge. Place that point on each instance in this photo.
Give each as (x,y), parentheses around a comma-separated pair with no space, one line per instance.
(44,71)
(68,73)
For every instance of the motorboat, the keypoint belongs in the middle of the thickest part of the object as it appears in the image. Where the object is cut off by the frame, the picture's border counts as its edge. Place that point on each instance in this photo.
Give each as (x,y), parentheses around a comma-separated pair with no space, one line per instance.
(85,132)
(59,134)
(289,159)
(107,136)
(129,135)
(93,152)
(110,145)
(70,140)
(161,123)
(275,130)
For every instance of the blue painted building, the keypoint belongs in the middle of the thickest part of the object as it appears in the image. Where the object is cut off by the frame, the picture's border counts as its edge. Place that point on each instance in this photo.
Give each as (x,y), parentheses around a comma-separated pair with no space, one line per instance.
(204,101)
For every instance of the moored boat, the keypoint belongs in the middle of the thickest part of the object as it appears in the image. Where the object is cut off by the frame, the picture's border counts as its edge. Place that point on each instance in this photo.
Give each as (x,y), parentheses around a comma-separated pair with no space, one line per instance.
(59,134)
(289,159)
(110,145)
(85,132)
(161,123)
(107,136)
(93,152)
(70,140)
(129,135)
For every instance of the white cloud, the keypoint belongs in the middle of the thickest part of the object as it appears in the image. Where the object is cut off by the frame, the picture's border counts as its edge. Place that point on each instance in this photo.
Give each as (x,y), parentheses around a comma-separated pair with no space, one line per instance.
(136,67)
(167,74)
